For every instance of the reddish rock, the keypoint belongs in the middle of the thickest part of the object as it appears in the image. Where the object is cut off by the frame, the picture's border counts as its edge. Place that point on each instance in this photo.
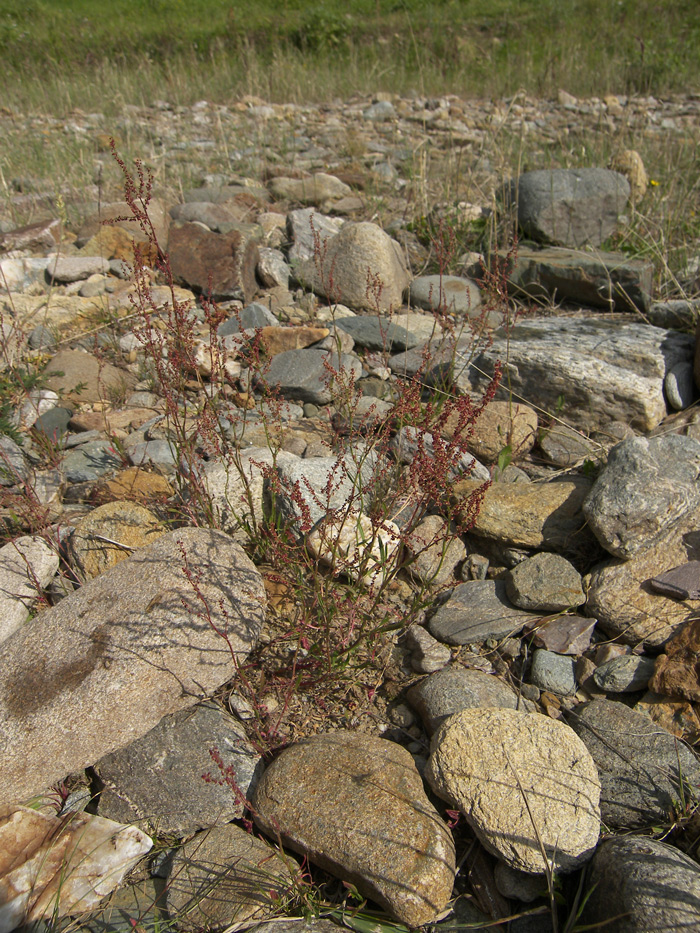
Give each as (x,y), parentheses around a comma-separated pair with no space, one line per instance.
(216,264)
(45,233)
(677,671)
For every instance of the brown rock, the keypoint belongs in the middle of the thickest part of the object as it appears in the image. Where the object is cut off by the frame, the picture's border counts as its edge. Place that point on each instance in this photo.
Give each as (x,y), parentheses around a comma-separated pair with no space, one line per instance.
(80,377)
(536,515)
(355,804)
(500,424)
(675,716)
(110,533)
(621,598)
(677,672)
(103,666)
(215,264)
(629,163)
(112,242)
(119,214)
(279,339)
(110,421)
(137,485)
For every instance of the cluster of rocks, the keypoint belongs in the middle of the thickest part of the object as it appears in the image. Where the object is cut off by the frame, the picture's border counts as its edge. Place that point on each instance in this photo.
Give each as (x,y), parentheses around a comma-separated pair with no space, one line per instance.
(552,686)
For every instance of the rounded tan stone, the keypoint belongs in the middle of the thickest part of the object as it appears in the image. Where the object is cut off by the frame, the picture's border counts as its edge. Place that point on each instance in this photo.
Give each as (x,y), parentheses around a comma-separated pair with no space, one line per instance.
(110,533)
(500,425)
(521,779)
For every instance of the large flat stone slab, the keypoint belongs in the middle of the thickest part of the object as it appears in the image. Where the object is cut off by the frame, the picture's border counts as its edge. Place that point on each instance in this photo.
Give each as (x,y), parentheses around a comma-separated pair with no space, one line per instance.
(600,280)
(603,368)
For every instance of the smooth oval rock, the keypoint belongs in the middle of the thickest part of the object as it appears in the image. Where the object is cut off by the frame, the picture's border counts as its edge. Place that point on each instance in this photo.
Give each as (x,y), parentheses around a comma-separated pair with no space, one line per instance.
(361,267)
(148,637)
(545,582)
(519,778)
(110,533)
(637,884)
(355,805)
(640,764)
(453,689)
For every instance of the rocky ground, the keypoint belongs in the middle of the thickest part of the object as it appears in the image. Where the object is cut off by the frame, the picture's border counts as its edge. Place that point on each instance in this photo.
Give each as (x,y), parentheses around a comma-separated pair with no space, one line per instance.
(284,552)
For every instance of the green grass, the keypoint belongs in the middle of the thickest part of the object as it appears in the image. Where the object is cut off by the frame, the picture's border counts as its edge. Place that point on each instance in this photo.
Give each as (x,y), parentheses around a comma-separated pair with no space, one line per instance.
(79,53)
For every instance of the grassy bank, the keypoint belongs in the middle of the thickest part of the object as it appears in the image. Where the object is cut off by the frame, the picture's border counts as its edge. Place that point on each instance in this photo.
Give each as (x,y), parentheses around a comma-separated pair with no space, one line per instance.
(62,53)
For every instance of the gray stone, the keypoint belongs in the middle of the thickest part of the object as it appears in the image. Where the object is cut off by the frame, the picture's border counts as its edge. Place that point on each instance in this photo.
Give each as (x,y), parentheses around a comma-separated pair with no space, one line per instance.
(14,468)
(625,674)
(553,672)
(489,762)
(319,189)
(640,764)
(520,885)
(90,461)
(572,207)
(142,904)
(160,452)
(545,583)
(427,653)
(433,551)
(27,566)
(679,583)
(637,884)
(75,268)
(605,369)
(102,667)
(564,447)
(380,111)
(235,490)
(410,442)
(375,333)
(226,876)
(253,315)
(453,689)
(355,805)
(161,778)
(648,487)
(302,375)
(679,386)
(361,266)
(308,489)
(273,269)
(17,275)
(677,314)
(217,216)
(309,232)
(447,294)
(37,403)
(475,611)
